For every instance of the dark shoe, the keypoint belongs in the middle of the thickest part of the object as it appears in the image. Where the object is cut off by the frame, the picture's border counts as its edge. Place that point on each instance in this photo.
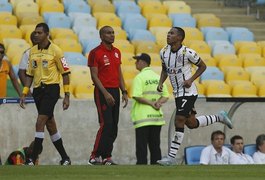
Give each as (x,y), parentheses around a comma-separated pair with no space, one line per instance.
(94,161)
(29,162)
(65,162)
(108,161)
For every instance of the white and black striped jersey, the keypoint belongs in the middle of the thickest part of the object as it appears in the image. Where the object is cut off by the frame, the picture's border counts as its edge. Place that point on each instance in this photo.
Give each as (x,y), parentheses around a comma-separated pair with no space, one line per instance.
(179,68)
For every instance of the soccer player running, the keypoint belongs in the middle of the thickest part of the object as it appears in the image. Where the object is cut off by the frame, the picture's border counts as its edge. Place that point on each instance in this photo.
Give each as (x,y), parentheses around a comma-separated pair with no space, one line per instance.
(105,68)
(177,61)
(46,65)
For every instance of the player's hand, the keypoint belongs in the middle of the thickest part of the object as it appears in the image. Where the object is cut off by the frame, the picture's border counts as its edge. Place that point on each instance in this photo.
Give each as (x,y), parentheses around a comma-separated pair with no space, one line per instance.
(187,83)
(159,88)
(66,102)
(110,100)
(125,99)
(22,101)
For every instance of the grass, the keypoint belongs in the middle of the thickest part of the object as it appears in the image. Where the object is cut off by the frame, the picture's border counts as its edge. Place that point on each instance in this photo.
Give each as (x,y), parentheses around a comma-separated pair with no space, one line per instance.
(133,172)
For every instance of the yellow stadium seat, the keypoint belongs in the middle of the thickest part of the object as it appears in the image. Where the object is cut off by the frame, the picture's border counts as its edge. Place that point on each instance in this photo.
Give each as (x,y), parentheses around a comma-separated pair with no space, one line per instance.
(41,2)
(257,78)
(53,6)
(80,75)
(109,21)
(233,83)
(218,57)
(208,59)
(200,89)
(63,33)
(252,69)
(83,91)
(244,90)
(169,3)
(209,21)
(124,46)
(26,28)
(261,91)
(8,41)
(143,3)
(26,7)
(146,47)
(160,34)
(127,59)
(225,69)
(16,49)
(236,75)
(192,34)
(218,90)
(99,7)
(249,49)
(31,20)
(262,45)
(8,19)
(239,44)
(156,60)
(9,31)
(120,33)
(93,2)
(129,72)
(229,61)
(198,16)
(200,47)
(181,8)
(68,45)
(251,60)
(16,2)
(159,20)
(210,82)
(153,8)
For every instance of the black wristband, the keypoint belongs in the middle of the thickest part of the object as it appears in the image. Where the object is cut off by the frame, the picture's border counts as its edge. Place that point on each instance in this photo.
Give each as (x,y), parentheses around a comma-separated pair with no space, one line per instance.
(124,92)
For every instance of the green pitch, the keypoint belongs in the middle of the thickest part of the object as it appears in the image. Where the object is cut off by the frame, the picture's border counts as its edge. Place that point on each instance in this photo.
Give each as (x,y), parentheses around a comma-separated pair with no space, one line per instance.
(133,172)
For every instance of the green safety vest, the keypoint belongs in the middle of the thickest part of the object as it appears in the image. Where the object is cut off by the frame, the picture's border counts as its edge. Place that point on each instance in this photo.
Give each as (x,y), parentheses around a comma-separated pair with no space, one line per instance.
(145,85)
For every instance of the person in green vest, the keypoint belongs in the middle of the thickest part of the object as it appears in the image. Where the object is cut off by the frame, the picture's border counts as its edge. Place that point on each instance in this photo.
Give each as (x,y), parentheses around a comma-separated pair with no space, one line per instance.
(21,156)
(146,112)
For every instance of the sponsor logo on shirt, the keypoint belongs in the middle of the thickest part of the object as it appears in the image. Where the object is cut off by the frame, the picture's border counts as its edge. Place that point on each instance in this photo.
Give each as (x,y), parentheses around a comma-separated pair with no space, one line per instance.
(45,63)
(106,60)
(34,64)
(64,63)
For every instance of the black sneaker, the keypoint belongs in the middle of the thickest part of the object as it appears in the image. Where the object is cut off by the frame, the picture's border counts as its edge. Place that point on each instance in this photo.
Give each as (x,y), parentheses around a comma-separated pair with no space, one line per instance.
(108,161)
(94,161)
(65,162)
(29,162)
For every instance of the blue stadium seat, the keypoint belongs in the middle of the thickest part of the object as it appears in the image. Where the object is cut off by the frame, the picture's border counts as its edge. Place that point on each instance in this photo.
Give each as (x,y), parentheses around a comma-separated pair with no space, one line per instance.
(6,7)
(249,149)
(78,6)
(47,15)
(84,21)
(223,49)
(212,73)
(216,34)
(212,43)
(143,35)
(89,45)
(127,7)
(139,22)
(192,154)
(59,22)
(183,20)
(241,36)
(74,58)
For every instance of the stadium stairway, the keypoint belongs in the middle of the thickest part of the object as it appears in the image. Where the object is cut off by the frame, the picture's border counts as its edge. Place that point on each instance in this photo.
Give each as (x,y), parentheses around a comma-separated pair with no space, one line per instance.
(230,16)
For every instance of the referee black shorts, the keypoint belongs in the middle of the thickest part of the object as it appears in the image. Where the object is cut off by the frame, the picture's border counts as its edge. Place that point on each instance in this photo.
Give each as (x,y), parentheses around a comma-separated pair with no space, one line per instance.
(45,97)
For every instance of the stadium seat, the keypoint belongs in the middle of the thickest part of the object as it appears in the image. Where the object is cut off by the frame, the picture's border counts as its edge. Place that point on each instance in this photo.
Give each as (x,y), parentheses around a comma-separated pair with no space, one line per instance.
(77,6)
(249,49)
(59,22)
(181,8)
(142,3)
(229,60)
(14,49)
(88,34)
(26,7)
(124,46)
(153,8)
(74,15)
(252,60)
(192,34)
(223,49)
(249,149)
(109,20)
(84,91)
(146,47)
(235,74)
(88,45)
(93,2)
(257,78)
(143,35)
(102,7)
(127,7)
(68,45)
(8,41)
(244,90)
(219,89)
(200,89)
(83,21)
(53,6)
(231,29)
(239,44)
(65,35)
(252,69)
(74,58)
(183,20)
(156,61)
(208,59)
(48,15)
(200,47)
(80,75)
(8,19)
(212,73)
(168,3)
(67,3)
(139,22)
(6,7)
(120,33)
(212,43)
(216,34)
(198,16)
(9,31)
(159,20)
(41,2)
(192,154)
(261,90)
(127,59)
(208,21)
(31,20)
(241,36)
(243,83)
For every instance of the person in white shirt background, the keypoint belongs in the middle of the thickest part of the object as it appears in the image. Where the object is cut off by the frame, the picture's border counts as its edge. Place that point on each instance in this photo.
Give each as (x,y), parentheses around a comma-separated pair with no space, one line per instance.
(239,157)
(216,153)
(259,156)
